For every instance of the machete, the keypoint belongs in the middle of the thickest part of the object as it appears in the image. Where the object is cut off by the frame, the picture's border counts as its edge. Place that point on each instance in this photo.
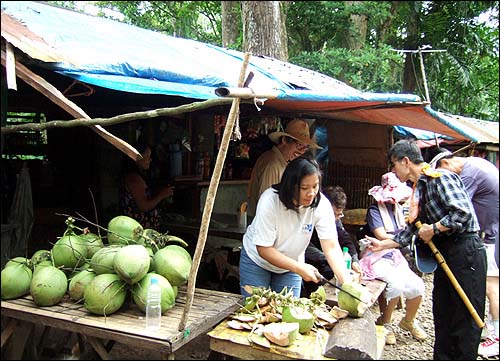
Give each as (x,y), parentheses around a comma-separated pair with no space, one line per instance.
(322,278)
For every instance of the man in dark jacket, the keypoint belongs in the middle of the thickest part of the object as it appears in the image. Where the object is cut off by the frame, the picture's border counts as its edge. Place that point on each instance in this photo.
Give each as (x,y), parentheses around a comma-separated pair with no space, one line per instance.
(440,202)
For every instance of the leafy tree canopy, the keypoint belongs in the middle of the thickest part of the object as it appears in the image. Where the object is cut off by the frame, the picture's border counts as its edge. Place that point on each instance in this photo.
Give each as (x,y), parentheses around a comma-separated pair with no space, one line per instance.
(462,80)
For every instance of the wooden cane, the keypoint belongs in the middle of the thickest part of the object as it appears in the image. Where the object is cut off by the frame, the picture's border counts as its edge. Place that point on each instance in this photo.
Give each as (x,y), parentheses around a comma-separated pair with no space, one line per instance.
(453,280)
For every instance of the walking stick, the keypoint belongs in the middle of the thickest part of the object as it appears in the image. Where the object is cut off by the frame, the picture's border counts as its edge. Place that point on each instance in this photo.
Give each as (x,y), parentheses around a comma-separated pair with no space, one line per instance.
(453,280)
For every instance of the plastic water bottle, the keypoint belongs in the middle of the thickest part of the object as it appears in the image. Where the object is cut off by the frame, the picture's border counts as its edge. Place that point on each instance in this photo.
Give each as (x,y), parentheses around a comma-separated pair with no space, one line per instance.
(347,257)
(153,306)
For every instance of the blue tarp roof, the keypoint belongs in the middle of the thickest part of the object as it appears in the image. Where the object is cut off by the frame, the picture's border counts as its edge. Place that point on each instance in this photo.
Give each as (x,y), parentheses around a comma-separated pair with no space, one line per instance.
(123,57)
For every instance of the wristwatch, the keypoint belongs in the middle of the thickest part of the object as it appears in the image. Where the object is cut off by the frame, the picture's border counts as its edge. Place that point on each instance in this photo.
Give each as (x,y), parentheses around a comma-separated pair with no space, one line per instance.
(435,229)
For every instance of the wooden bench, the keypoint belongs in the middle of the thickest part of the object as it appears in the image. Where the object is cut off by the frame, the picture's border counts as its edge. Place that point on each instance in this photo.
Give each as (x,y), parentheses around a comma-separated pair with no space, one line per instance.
(127,326)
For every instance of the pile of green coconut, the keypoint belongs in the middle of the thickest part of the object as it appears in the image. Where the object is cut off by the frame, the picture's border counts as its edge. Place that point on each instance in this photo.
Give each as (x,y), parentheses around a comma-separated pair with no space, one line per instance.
(101,275)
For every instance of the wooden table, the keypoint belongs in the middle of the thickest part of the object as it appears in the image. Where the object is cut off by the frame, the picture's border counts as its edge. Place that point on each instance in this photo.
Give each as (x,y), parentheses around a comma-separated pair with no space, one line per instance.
(126,326)
(310,346)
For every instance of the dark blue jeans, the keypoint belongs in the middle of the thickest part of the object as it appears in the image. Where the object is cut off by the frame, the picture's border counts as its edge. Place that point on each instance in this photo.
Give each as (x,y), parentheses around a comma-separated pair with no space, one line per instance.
(254,275)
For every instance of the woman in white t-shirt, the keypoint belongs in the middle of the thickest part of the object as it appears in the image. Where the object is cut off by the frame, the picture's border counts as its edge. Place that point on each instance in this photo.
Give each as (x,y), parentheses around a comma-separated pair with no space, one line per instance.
(274,243)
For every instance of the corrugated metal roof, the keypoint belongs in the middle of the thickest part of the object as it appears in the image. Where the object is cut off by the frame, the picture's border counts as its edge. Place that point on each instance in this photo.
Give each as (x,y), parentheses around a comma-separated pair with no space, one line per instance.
(122,57)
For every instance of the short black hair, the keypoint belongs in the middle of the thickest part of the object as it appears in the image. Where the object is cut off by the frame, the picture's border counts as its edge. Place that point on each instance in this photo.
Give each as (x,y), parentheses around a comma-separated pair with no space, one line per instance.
(405,148)
(128,164)
(431,152)
(336,196)
(289,186)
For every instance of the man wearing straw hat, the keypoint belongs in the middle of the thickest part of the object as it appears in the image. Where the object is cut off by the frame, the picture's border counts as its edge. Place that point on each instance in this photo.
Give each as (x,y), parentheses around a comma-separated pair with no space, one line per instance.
(442,206)
(290,144)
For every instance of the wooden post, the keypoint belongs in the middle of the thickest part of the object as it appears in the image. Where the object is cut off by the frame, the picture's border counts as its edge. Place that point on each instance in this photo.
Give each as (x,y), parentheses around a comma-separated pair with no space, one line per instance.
(212,192)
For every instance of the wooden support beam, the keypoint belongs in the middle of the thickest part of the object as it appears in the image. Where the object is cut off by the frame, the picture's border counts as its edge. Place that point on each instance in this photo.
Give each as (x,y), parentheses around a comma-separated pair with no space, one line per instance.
(58,98)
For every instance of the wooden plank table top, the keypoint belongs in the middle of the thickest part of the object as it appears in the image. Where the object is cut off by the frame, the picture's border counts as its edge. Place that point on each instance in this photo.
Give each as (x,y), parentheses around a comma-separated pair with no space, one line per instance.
(310,346)
(128,324)
(228,341)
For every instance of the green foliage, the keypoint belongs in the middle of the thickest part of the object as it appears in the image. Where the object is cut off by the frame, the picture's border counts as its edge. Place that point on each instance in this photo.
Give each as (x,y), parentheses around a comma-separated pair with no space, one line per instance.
(375,70)
(198,20)
(462,80)
(316,25)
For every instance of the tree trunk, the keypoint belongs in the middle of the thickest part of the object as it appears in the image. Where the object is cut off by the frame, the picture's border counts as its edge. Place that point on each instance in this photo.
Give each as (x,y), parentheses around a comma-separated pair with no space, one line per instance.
(230,23)
(385,26)
(411,61)
(264,29)
(355,36)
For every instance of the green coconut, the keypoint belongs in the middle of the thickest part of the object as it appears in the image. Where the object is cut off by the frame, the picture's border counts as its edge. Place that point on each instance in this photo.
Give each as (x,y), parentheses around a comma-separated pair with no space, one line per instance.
(16,280)
(40,256)
(151,259)
(48,286)
(17,261)
(298,314)
(105,294)
(140,290)
(103,260)
(174,263)
(125,230)
(70,251)
(79,282)
(319,295)
(355,307)
(41,265)
(94,243)
(131,263)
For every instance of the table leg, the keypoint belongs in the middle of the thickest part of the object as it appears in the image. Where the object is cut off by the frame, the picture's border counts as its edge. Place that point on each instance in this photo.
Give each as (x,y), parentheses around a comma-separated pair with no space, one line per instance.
(99,347)
(8,331)
(19,337)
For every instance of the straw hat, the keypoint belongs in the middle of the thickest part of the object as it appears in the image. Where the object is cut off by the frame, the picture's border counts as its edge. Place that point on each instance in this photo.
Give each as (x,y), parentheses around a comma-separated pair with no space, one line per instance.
(391,190)
(297,129)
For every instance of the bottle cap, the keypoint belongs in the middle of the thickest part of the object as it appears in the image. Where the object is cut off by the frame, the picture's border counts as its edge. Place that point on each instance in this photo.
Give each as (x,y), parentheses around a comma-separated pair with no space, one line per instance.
(345,249)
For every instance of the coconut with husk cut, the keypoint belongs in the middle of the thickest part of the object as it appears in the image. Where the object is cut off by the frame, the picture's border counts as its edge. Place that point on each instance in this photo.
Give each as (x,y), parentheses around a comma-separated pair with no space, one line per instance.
(356,306)
(298,314)
(281,333)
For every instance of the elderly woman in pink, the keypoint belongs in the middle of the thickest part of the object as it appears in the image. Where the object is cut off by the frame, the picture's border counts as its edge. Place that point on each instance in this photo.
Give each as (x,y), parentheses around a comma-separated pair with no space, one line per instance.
(384,219)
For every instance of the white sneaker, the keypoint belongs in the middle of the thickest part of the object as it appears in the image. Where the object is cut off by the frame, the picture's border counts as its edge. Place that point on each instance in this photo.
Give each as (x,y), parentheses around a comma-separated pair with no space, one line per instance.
(488,348)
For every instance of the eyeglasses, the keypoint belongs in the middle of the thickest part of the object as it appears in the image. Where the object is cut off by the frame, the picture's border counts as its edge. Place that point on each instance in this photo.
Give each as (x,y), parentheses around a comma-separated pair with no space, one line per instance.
(301,146)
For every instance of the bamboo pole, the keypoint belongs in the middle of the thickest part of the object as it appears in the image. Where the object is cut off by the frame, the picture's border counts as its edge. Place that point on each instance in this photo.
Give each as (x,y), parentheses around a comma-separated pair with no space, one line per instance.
(453,280)
(212,192)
